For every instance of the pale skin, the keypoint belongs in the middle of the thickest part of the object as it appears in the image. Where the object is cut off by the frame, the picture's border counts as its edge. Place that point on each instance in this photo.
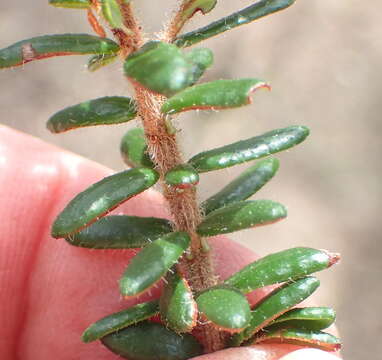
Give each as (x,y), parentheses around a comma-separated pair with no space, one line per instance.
(50,291)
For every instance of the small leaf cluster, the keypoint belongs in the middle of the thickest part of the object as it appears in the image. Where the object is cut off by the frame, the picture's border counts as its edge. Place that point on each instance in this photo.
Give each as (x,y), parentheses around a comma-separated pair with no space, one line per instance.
(168,70)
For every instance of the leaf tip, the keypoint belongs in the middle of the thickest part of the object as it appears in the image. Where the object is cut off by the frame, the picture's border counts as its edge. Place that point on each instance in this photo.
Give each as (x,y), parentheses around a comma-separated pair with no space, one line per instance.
(85,337)
(334,258)
(255,87)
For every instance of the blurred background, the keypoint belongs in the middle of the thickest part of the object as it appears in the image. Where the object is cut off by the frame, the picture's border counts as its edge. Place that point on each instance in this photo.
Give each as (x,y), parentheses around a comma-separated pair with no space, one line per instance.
(323,59)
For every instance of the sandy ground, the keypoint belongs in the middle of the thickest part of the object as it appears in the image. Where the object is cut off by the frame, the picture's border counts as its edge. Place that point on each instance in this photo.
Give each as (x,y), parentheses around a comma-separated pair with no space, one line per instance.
(323,60)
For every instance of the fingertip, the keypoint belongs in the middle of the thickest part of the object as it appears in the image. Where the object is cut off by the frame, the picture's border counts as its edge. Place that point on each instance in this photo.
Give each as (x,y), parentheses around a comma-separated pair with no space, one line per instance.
(311,354)
(260,352)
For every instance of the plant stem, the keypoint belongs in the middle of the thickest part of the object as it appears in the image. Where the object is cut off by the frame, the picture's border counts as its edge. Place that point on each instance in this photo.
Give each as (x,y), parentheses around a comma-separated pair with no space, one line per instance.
(177,22)
(164,151)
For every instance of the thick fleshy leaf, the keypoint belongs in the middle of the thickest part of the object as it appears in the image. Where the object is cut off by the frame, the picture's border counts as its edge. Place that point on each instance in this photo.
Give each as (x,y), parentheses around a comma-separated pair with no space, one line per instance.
(182,177)
(225,307)
(100,198)
(219,94)
(281,266)
(242,17)
(241,215)
(310,318)
(97,62)
(134,149)
(177,305)
(153,262)
(244,186)
(251,149)
(120,320)
(160,67)
(152,341)
(314,339)
(46,46)
(103,111)
(121,232)
(275,304)
(202,58)
(71,4)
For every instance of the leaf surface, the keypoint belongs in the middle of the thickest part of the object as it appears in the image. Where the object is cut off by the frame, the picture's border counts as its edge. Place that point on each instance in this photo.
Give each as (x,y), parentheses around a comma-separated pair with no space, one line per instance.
(177,305)
(120,320)
(244,186)
(190,7)
(100,198)
(314,339)
(215,95)
(152,341)
(241,215)
(275,304)
(97,62)
(134,149)
(152,263)
(202,59)
(242,17)
(182,177)
(225,307)
(46,46)
(112,13)
(254,148)
(121,232)
(103,111)
(160,67)
(309,318)
(71,4)
(281,266)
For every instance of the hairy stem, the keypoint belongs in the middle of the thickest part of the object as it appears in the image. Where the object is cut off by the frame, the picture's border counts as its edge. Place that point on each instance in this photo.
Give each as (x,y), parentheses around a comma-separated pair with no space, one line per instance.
(177,22)
(164,151)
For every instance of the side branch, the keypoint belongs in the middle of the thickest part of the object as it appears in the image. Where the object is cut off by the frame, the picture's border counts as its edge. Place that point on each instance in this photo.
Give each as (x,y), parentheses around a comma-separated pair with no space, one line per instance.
(133,40)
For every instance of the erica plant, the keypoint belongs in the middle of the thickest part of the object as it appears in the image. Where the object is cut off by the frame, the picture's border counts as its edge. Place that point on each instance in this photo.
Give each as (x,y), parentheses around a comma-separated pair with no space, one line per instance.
(197,312)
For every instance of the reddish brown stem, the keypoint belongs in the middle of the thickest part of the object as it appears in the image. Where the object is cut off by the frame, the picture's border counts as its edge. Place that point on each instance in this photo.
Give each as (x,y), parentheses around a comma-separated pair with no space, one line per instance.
(164,151)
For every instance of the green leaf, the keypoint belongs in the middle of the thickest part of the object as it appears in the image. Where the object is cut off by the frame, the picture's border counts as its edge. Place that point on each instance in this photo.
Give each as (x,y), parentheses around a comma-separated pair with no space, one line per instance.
(103,111)
(100,198)
(244,186)
(153,262)
(187,10)
(120,320)
(134,149)
(314,339)
(182,177)
(251,149)
(190,7)
(177,305)
(219,94)
(241,215)
(121,232)
(46,46)
(160,67)
(96,62)
(112,13)
(309,318)
(275,304)
(242,17)
(225,307)
(281,266)
(152,341)
(202,59)
(71,4)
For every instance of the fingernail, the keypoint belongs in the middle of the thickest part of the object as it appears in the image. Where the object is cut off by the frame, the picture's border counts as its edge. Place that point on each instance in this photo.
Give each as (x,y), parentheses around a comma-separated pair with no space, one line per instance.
(311,354)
